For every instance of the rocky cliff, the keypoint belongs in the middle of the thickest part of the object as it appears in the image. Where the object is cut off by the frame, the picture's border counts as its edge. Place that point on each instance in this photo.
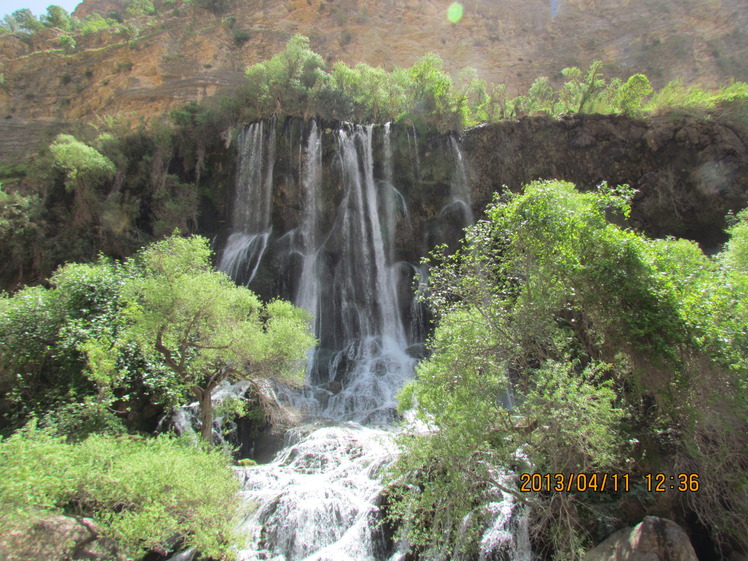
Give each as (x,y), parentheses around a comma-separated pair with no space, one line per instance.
(186,53)
(689,172)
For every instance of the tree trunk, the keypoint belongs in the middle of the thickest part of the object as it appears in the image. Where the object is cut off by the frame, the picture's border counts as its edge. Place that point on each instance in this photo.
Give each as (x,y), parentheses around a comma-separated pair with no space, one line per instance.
(206,414)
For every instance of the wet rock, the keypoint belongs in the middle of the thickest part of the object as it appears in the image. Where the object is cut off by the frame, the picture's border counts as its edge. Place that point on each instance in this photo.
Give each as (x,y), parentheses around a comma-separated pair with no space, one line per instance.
(654,539)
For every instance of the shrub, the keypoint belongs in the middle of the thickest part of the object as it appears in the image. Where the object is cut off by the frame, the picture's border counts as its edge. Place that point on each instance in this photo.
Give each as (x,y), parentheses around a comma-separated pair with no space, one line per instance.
(95,23)
(593,325)
(140,8)
(146,494)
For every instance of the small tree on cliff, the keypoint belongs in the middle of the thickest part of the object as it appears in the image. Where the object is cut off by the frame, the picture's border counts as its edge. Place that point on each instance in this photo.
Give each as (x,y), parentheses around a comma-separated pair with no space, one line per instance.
(631,95)
(205,328)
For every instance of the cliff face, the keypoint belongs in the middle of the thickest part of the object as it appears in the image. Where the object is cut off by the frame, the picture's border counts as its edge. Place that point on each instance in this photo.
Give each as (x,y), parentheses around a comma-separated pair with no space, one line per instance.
(186,53)
(689,172)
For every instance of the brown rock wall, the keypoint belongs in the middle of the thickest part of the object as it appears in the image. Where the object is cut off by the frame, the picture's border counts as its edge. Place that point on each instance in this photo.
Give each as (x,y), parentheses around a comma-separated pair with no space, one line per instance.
(689,171)
(186,53)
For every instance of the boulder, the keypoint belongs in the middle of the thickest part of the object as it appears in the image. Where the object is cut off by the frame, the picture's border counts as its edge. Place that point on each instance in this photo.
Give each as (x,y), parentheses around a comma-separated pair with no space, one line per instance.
(654,539)
(57,538)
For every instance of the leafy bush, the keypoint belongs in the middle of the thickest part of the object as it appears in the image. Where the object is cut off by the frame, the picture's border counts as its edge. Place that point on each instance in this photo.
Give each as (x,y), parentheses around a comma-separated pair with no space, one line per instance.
(43,339)
(630,97)
(27,20)
(67,43)
(140,8)
(57,17)
(604,338)
(241,36)
(146,494)
(82,164)
(165,323)
(95,23)
(21,232)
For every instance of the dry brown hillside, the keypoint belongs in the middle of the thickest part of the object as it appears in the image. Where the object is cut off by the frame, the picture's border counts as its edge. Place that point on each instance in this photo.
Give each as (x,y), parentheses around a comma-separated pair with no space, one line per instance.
(185,52)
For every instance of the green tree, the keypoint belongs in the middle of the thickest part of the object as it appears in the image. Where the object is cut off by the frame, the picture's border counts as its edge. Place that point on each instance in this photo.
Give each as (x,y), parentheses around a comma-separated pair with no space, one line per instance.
(589,322)
(579,92)
(85,169)
(9,24)
(630,96)
(95,23)
(27,20)
(432,98)
(21,231)
(67,43)
(44,337)
(205,328)
(735,255)
(593,84)
(57,17)
(540,97)
(138,8)
(284,84)
(474,92)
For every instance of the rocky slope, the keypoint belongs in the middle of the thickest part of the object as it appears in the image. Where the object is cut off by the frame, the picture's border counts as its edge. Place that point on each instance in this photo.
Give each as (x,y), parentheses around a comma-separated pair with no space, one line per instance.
(186,52)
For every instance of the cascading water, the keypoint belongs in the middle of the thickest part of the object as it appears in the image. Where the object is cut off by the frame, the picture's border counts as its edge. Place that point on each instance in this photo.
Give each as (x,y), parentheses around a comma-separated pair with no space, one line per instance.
(319,499)
(460,190)
(250,221)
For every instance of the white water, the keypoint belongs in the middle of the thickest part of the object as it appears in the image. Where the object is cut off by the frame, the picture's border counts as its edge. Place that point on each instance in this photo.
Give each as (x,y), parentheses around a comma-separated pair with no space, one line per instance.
(250,220)
(319,499)
(459,187)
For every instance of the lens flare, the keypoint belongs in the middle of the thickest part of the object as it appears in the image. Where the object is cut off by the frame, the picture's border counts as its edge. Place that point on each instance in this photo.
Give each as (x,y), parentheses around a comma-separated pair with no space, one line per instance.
(454,12)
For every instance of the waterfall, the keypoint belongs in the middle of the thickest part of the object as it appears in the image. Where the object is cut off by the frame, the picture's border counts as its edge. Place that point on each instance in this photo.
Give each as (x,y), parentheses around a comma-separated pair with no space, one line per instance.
(319,499)
(250,219)
(360,329)
(459,187)
(418,324)
(308,293)
(555,4)
(415,159)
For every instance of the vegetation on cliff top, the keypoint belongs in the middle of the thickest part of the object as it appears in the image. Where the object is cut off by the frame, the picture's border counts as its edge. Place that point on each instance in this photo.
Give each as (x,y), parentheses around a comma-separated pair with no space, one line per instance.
(297,82)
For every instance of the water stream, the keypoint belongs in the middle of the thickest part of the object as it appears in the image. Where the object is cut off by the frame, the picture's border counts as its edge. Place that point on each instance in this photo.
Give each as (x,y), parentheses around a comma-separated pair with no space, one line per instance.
(319,499)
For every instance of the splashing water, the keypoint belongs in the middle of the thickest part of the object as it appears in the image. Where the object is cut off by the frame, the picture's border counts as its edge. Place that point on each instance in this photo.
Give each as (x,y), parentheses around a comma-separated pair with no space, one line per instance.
(319,500)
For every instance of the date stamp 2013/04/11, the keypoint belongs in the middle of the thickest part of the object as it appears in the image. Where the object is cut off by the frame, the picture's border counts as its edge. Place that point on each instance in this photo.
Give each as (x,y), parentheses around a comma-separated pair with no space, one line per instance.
(606,482)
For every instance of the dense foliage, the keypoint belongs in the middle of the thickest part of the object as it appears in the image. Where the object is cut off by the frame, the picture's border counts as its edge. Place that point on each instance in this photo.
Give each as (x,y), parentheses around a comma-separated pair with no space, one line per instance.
(298,82)
(94,192)
(82,358)
(162,328)
(621,355)
(66,27)
(44,333)
(205,328)
(144,494)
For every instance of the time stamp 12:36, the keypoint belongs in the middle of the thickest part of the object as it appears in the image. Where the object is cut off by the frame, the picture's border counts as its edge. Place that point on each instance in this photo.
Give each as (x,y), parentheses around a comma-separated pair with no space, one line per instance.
(606,482)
